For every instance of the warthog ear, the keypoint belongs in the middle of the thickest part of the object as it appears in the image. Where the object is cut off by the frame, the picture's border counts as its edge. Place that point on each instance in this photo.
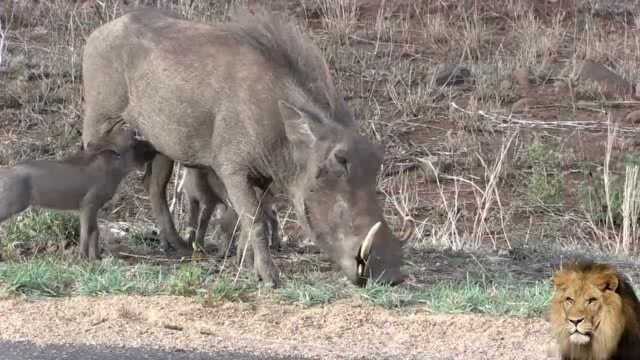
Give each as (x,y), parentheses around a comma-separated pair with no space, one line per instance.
(296,124)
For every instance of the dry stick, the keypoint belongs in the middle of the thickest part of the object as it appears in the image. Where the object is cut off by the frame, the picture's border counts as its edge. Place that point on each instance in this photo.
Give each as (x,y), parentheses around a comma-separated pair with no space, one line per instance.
(452,214)
(403,207)
(630,209)
(480,226)
(510,121)
(226,253)
(3,46)
(153,258)
(611,135)
(502,224)
(250,239)
(178,183)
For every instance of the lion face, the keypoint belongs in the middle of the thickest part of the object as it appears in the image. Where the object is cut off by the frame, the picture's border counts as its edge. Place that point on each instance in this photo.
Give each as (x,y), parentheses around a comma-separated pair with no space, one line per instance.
(582,306)
(586,312)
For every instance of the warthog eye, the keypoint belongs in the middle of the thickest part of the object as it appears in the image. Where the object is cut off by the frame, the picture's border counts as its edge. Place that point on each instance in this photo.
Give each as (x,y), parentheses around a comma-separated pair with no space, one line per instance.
(114,154)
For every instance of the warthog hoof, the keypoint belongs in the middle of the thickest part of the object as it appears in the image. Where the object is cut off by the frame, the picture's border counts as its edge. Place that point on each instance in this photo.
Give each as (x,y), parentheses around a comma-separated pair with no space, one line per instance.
(173,244)
(89,256)
(268,274)
(272,280)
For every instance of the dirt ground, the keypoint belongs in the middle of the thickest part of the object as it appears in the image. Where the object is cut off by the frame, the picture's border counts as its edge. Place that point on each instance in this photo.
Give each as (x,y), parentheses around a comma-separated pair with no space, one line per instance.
(337,331)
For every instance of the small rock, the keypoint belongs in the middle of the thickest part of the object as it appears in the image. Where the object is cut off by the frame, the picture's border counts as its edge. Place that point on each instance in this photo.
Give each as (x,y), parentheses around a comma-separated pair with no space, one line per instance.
(521,77)
(633,117)
(452,74)
(612,84)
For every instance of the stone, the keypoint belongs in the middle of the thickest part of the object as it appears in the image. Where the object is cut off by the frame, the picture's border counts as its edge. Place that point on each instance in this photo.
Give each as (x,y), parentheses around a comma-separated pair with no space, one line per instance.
(611,84)
(633,117)
(451,74)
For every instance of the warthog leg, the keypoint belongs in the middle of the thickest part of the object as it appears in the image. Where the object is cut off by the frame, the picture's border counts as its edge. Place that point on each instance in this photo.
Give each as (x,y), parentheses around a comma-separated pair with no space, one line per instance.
(13,196)
(192,221)
(273,229)
(161,170)
(89,231)
(203,223)
(271,218)
(253,228)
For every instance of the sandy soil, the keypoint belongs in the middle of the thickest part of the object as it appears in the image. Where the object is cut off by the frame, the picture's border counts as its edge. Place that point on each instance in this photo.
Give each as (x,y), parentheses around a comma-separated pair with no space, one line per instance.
(338,331)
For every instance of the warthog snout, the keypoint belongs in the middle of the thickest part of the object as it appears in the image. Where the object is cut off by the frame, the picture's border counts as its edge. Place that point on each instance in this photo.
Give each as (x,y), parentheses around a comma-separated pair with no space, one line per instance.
(378,264)
(342,212)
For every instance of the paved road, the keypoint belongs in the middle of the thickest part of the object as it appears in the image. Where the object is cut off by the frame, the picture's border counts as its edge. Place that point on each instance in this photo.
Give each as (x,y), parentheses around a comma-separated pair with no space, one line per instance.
(29,351)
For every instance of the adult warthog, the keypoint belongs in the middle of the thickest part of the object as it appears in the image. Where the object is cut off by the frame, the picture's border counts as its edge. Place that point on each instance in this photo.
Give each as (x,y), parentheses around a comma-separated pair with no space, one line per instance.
(254,101)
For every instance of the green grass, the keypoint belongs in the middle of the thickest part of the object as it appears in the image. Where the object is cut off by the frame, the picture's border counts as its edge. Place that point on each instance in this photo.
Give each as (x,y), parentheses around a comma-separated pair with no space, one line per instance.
(42,226)
(112,277)
(55,277)
(187,280)
(308,294)
(507,298)
(41,277)
(225,289)
(497,298)
(525,299)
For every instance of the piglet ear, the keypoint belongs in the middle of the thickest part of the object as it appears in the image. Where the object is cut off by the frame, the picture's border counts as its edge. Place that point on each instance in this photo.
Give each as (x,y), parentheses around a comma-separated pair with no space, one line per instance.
(94,147)
(297,124)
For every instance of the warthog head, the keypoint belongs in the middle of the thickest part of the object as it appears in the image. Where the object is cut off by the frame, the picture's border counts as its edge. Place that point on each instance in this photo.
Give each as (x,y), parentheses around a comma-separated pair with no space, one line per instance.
(335,194)
(128,151)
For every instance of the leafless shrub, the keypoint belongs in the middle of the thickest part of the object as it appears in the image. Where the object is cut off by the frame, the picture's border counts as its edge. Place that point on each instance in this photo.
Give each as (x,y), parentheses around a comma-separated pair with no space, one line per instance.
(339,16)
(630,210)
(3,46)
(538,44)
(487,202)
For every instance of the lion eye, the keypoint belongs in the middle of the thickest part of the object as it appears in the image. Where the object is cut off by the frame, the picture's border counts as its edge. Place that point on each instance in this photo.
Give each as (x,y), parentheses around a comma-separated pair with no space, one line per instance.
(591,300)
(569,300)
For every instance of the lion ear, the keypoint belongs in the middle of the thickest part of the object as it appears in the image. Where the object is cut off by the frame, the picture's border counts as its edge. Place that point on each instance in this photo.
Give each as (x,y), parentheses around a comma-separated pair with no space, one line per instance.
(560,280)
(607,281)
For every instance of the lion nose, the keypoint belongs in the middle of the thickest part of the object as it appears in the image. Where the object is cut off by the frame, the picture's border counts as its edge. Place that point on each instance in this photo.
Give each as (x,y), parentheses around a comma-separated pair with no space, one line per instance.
(575,322)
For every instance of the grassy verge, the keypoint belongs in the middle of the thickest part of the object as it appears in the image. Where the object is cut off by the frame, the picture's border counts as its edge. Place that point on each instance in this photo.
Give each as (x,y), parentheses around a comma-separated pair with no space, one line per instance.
(55,277)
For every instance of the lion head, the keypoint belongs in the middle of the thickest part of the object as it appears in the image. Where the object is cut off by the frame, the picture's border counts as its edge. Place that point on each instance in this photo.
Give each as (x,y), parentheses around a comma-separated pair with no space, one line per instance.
(594,313)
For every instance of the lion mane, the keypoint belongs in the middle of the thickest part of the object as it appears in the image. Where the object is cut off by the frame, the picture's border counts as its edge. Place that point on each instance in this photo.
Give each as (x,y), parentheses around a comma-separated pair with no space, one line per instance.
(595,314)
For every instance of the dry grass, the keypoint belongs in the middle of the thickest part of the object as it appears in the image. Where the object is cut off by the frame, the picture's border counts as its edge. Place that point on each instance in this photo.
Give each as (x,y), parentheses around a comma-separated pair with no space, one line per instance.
(458,177)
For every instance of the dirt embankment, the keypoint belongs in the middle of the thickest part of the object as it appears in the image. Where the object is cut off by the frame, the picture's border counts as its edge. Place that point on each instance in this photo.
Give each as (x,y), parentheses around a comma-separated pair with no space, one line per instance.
(338,331)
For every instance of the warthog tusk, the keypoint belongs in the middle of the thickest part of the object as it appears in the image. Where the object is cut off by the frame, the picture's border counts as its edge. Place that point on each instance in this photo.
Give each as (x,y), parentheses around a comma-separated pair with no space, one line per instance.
(368,241)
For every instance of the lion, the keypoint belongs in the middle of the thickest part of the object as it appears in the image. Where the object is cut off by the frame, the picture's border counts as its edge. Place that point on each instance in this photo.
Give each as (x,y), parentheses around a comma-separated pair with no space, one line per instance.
(595,314)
